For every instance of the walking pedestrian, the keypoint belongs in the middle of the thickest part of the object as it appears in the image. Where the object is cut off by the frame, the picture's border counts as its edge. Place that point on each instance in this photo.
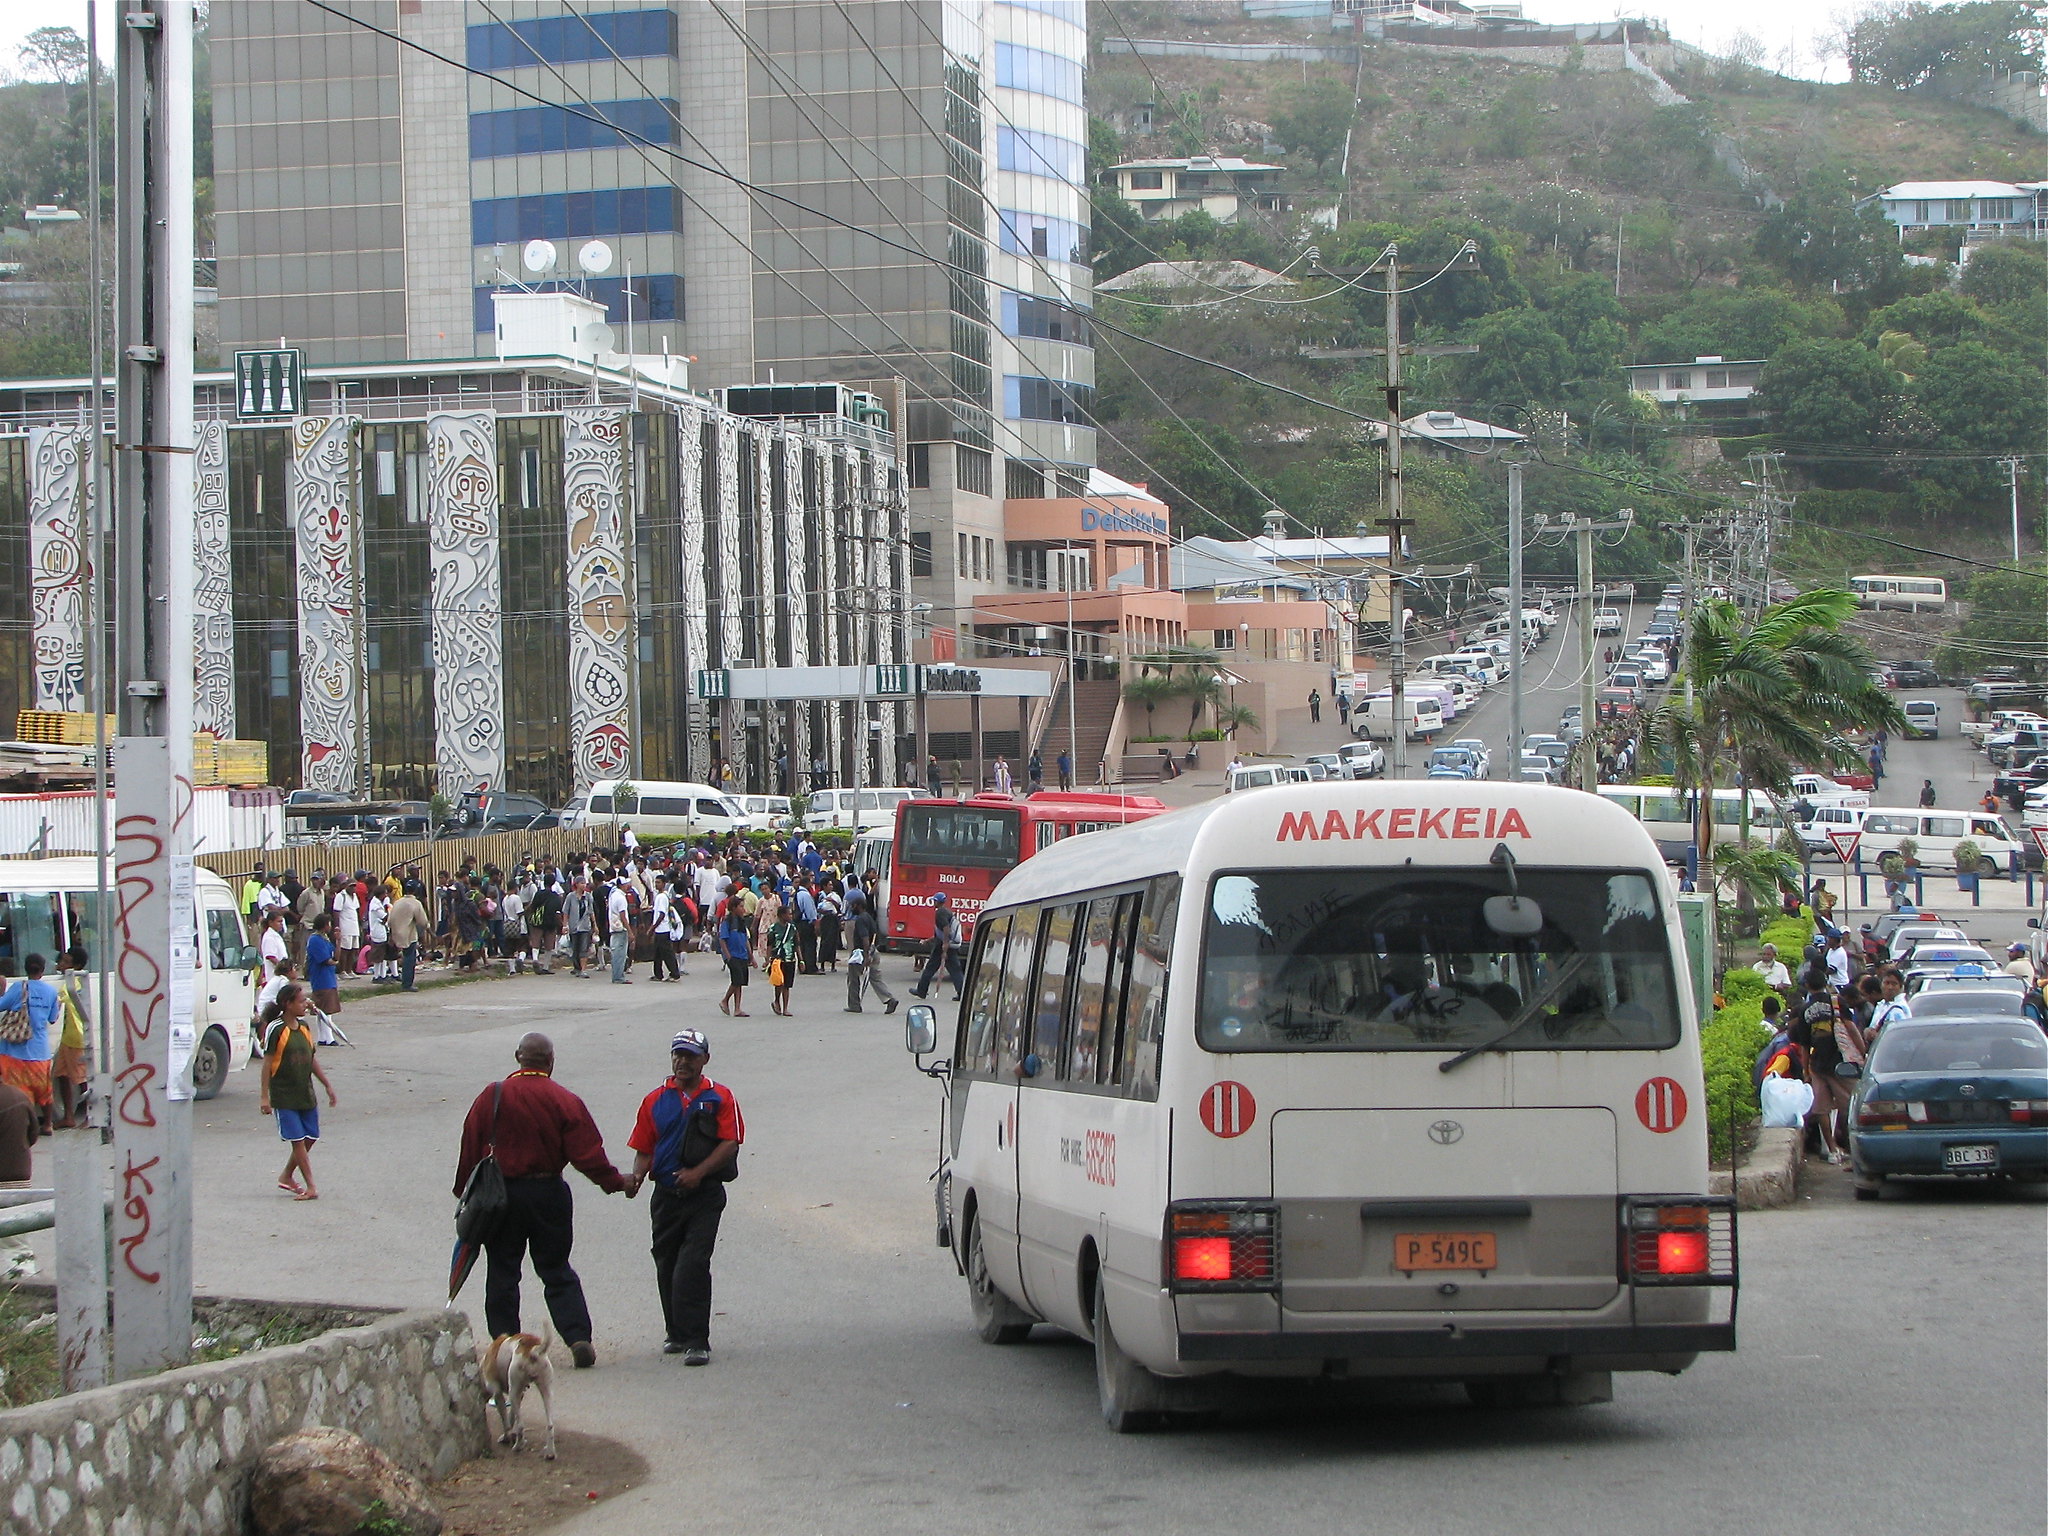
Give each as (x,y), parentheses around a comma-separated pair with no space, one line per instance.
(1034,773)
(944,951)
(1315,706)
(578,920)
(1001,776)
(779,945)
(686,1139)
(933,779)
(807,926)
(1343,708)
(831,910)
(661,935)
(736,949)
(864,949)
(26,1063)
(321,978)
(348,924)
(410,927)
(1065,763)
(71,1067)
(377,920)
(1927,795)
(291,1065)
(271,943)
(536,1128)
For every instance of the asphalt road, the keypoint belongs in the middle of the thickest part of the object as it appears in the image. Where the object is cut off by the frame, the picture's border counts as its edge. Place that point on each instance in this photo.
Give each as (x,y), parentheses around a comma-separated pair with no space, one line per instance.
(1889,1377)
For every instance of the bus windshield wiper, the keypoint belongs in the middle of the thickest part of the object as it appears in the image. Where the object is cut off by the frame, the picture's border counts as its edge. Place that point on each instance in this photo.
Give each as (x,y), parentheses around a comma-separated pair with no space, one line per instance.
(1565,974)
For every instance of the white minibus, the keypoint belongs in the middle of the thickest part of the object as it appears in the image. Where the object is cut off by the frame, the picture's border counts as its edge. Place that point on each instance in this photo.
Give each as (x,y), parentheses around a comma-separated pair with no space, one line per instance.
(1338,1080)
(1909,592)
(1667,813)
(1485,663)
(47,906)
(834,808)
(1373,716)
(657,808)
(1935,834)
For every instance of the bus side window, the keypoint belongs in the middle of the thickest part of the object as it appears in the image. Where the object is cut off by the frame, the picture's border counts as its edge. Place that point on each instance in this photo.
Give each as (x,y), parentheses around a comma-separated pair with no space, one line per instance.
(1110,1064)
(1055,964)
(1091,993)
(31,927)
(1014,1007)
(1145,996)
(977,1052)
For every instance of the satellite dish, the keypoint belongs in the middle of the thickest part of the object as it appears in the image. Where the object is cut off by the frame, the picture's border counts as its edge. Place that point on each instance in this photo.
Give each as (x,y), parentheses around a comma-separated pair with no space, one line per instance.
(599,337)
(594,256)
(538,256)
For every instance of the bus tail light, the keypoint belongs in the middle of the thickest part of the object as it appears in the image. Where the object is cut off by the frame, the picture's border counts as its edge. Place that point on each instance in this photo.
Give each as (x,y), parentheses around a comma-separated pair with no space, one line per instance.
(1222,1245)
(1680,1240)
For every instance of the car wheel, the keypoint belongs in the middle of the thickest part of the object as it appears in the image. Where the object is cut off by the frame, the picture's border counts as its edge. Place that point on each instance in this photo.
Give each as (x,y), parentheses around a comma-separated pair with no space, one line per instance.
(997,1319)
(210,1065)
(1988,866)
(1871,1188)
(1131,1396)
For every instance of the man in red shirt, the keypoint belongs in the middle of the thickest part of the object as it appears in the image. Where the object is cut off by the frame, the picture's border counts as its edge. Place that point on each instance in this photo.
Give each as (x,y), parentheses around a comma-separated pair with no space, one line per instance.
(687,1139)
(540,1128)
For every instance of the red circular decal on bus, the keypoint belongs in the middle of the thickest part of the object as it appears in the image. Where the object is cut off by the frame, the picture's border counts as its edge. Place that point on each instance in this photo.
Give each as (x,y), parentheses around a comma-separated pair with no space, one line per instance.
(1228,1109)
(1660,1104)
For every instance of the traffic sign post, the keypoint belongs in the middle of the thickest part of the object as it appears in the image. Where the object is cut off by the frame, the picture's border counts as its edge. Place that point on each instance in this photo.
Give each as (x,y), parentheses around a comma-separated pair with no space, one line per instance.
(1845,845)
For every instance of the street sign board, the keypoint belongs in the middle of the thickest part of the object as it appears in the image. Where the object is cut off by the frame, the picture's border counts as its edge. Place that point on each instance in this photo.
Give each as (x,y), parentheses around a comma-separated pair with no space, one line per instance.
(895,679)
(714,683)
(1845,844)
(269,384)
(2040,839)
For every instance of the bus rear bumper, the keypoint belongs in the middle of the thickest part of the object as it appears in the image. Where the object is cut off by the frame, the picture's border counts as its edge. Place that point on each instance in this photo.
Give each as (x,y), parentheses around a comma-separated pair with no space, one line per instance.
(1651,1347)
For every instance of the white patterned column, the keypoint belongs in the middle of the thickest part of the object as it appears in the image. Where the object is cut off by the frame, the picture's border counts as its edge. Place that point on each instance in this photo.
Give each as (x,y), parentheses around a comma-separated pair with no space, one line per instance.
(695,556)
(57,570)
(600,595)
(323,477)
(213,596)
(468,626)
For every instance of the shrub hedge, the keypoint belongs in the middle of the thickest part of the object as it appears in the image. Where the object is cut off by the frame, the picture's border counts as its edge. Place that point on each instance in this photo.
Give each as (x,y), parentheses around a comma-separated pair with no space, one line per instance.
(1730,1039)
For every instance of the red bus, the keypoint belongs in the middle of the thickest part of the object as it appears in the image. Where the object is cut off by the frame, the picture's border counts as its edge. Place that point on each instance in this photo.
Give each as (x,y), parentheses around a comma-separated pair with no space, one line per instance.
(963,847)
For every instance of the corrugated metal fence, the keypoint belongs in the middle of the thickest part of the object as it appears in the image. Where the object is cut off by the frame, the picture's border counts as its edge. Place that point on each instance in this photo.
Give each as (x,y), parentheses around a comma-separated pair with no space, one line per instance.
(503,849)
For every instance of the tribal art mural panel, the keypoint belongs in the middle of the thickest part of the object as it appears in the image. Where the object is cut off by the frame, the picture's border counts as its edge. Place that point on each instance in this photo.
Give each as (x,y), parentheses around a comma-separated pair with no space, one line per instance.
(330,638)
(468,624)
(600,595)
(213,597)
(57,569)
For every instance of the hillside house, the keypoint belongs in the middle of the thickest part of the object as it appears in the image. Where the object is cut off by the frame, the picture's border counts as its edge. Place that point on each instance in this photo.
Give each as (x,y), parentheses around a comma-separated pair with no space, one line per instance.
(1975,208)
(1223,186)
(1718,386)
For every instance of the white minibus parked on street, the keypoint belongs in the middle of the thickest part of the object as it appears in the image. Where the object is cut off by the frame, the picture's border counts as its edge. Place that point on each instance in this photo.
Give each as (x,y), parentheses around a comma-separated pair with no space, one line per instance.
(1390,1079)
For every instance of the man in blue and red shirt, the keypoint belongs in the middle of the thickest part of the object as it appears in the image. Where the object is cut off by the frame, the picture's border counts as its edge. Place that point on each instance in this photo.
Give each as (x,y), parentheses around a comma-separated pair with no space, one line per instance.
(687,1140)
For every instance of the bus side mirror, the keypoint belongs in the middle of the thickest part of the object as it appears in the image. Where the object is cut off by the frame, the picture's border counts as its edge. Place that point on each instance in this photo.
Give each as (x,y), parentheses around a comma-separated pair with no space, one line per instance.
(921,1029)
(250,957)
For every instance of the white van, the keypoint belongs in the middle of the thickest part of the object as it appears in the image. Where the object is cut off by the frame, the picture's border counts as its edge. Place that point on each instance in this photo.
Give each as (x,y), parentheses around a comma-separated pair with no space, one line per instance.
(1831,816)
(1445,696)
(1936,833)
(1338,1081)
(1472,659)
(771,811)
(658,808)
(1373,716)
(834,808)
(46,906)
(1825,791)
(1255,776)
(1923,719)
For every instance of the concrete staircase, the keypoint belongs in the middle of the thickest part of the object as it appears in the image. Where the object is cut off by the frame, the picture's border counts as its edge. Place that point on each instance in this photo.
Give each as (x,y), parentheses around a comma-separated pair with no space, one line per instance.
(1094,708)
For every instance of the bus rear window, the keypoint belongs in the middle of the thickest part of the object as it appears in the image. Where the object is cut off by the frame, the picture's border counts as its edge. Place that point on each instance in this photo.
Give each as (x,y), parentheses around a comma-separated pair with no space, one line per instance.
(966,836)
(1404,960)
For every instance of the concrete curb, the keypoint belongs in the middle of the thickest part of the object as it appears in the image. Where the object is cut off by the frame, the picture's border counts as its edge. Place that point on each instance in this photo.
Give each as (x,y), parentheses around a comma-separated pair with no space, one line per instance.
(1767,1178)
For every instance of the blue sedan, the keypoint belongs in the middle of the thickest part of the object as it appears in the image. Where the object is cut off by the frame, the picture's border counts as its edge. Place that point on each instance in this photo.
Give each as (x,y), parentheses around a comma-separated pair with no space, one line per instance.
(1961,1097)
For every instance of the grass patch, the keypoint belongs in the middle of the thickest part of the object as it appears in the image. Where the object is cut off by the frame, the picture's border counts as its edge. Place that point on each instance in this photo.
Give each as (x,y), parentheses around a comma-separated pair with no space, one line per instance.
(28,1348)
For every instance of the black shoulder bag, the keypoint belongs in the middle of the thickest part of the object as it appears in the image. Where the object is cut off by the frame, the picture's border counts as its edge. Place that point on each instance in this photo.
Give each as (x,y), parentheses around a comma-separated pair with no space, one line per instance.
(701,1138)
(483,1201)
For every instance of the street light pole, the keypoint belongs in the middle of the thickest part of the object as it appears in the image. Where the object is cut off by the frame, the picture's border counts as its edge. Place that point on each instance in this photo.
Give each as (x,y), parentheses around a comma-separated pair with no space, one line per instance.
(1515,614)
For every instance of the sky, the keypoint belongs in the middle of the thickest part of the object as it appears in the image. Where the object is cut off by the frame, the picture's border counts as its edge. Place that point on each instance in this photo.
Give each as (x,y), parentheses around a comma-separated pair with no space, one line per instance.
(1782,25)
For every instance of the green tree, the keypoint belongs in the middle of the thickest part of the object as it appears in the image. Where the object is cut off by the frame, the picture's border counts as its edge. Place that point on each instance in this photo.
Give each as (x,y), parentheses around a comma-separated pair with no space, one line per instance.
(1584,311)
(1521,360)
(1450,300)
(2008,617)
(1744,323)
(2007,273)
(1767,695)
(1821,238)
(1903,45)
(54,53)
(1933,319)
(1313,118)
(1826,392)
(1981,402)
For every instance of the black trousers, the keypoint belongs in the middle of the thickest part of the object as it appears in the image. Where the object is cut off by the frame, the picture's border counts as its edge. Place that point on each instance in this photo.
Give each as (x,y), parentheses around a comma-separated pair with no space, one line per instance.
(685,1232)
(807,946)
(539,1221)
(665,955)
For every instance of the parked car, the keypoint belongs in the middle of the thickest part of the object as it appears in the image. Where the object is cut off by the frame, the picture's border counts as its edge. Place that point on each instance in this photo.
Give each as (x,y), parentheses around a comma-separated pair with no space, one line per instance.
(1333,766)
(1877,936)
(1368,759)
(1453,762)
(1926,931)
(1480,753)
(1537,769)
(1914,674)
(1606,621)
(1949,1002)
(1962,1097)
(1256,776)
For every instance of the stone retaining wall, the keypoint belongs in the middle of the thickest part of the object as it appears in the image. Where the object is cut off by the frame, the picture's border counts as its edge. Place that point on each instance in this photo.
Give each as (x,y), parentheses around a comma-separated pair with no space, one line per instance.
(172,1454)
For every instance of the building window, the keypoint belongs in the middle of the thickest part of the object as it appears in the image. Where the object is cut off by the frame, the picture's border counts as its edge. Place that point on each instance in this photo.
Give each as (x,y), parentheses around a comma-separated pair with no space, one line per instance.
(656,296)
(1226,640)
(574,215)
(1148,181)
(1035,399)
(1041,154)
(1717,378)
(1038,234)
(920,554)
(574,39)
(974,470)
(1996,209)
(920,466)
(1021,480)
(541,130)
(1959,211)
(1033,69)
(1681,378)
(1045,320)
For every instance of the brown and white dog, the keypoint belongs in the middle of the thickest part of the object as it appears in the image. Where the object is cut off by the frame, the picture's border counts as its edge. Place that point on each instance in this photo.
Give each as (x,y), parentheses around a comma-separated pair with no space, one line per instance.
(512,1363)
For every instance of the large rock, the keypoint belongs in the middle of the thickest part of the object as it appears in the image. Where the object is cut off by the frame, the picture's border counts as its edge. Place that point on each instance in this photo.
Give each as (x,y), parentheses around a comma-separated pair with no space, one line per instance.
(324,1482)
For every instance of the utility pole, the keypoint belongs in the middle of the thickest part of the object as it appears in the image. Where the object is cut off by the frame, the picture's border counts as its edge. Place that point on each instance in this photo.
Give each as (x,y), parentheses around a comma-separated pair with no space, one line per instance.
(152,924)
(1389,262)
(1582,531)
(1515,613)
(2012,481)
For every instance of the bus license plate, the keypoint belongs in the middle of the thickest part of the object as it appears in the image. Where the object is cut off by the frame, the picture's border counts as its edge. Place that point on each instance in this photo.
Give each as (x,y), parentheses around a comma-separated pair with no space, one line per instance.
(1444,1250)
(1971,1157)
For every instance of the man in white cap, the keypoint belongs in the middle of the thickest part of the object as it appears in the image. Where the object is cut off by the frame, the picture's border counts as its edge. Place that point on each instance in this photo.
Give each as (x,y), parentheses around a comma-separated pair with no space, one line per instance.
(687,1140)
(945,950)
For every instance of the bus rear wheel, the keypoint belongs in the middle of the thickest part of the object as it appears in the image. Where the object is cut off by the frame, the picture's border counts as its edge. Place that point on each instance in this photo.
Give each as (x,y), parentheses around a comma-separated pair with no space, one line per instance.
(997,1319)
(1133,1399)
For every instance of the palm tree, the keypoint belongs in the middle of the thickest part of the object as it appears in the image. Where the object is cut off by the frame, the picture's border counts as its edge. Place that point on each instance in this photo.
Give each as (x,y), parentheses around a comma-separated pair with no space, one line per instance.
(1201,688)
(1150,689)
(1762,696)
(1234,717)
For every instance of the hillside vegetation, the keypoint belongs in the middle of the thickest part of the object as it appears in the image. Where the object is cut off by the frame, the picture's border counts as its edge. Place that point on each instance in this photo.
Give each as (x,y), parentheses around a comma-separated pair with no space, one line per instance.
(1891,385)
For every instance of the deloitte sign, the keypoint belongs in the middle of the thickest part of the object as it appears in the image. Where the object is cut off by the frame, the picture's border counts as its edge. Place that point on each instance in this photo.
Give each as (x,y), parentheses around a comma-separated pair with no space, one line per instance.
(1120,520)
